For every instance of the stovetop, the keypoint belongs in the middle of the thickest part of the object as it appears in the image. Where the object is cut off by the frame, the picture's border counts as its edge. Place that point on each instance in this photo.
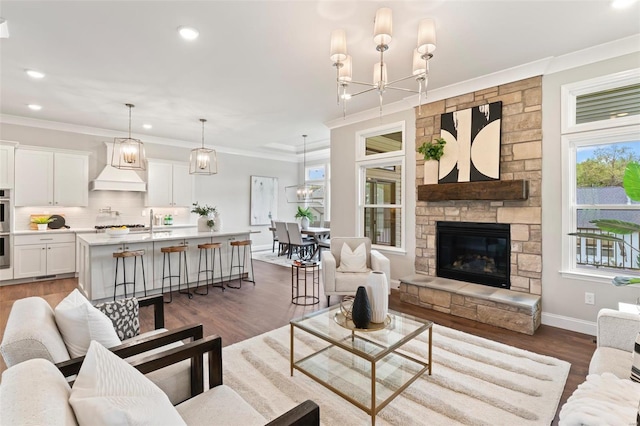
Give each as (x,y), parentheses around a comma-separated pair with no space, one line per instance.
(133,228)
(118,226)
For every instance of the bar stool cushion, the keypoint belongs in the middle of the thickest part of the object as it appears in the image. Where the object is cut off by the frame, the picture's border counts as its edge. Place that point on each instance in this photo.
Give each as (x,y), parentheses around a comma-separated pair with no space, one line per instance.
(80,323)
(124,315)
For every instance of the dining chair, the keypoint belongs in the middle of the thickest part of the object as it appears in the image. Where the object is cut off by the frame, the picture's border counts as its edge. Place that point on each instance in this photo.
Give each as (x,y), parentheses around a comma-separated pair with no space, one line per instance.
(275,237)
(283,238)
(302,247)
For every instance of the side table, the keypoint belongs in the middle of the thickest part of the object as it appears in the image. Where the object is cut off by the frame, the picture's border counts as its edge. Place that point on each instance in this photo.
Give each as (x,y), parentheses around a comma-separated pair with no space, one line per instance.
(303,275)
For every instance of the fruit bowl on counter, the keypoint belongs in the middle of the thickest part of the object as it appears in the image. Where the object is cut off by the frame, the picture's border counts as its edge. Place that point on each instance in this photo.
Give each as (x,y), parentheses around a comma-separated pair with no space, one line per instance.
(117,232)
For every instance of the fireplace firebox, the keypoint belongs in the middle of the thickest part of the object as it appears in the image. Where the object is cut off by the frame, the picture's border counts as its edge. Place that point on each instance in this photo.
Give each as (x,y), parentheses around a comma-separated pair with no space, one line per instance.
(474,252)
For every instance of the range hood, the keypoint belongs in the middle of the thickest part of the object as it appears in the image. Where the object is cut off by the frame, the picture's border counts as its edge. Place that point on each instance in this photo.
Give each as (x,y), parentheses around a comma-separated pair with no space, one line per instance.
(112,179)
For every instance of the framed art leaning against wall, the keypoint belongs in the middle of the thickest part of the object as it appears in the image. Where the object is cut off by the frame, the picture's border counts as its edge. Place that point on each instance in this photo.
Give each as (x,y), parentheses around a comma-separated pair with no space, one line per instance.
(264,200)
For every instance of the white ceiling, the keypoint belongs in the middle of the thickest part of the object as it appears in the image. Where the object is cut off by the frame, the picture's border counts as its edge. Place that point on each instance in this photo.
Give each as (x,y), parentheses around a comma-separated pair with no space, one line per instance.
(260,71)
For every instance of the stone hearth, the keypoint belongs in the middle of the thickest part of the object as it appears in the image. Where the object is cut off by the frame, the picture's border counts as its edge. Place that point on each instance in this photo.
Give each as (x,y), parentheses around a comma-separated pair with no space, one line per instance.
(508,309)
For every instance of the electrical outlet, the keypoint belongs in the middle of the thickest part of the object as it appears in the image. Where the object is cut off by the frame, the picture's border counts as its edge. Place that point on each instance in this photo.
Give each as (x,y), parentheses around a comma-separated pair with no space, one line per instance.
(590,298)
(144,213)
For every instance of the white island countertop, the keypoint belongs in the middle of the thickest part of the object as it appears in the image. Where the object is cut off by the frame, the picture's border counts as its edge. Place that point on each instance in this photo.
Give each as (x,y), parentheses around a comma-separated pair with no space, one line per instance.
(104,239)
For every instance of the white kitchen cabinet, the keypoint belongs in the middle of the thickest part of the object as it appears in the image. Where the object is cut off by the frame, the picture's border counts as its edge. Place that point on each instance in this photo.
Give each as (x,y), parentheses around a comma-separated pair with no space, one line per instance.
(46,178)
(102,268)
(47,254)
(168,185)
(7,153)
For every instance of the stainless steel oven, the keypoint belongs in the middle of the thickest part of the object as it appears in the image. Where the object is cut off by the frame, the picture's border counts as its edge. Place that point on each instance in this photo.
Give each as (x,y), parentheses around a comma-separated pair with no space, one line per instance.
(5,250)
(5,211)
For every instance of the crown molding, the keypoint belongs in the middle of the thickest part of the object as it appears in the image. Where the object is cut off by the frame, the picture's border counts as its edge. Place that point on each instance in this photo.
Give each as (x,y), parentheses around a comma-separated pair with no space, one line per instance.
(291,156)
(543,66)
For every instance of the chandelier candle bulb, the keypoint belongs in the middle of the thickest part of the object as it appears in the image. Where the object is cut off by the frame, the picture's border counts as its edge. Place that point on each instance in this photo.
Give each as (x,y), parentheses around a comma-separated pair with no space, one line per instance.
(426,36)
(382,27)
(380,74)
(420,66)
(344,73)
(338,45)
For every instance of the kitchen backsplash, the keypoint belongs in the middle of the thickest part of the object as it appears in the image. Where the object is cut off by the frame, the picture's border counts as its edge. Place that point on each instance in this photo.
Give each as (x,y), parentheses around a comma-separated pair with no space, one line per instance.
(129,206)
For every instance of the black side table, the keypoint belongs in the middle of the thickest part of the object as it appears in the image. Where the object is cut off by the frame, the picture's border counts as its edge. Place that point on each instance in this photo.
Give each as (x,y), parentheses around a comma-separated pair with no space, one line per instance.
(304,274)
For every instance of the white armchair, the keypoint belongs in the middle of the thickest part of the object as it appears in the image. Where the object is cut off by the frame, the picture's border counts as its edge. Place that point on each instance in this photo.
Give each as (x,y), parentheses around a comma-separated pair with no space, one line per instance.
(346,283)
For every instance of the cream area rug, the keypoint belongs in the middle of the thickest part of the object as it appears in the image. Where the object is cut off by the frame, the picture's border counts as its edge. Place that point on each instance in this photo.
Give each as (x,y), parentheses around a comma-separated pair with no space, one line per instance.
(272,257)
(474,382)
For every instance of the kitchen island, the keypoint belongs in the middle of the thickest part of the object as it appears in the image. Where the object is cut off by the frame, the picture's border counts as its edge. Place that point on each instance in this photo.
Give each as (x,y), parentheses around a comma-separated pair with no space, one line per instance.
(96,272)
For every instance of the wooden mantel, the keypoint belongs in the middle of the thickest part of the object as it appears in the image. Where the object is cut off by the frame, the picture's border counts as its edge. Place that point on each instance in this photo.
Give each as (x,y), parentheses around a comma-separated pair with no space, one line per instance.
(494,190)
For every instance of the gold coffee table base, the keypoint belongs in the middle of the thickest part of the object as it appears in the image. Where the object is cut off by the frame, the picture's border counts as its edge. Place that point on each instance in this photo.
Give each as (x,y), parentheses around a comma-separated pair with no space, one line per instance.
(354,357)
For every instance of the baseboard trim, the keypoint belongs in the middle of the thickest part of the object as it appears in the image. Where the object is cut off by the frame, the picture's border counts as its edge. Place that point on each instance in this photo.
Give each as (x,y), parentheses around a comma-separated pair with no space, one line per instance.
(569,323)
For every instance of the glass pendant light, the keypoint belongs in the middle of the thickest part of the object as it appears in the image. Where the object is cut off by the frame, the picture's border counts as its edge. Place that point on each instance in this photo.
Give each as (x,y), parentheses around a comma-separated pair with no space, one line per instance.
(304,193)
(128,153)
(203,161)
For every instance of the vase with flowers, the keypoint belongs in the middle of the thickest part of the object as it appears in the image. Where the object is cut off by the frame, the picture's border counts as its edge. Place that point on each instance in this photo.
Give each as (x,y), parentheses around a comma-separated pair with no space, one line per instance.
(206,221)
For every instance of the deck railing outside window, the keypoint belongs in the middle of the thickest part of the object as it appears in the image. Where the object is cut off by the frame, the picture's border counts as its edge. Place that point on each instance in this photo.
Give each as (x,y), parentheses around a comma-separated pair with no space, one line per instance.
(609,254)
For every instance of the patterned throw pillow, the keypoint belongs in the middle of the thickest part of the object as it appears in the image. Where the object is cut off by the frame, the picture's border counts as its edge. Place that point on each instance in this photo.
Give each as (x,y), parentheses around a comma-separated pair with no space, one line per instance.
(124,314)
(635,368)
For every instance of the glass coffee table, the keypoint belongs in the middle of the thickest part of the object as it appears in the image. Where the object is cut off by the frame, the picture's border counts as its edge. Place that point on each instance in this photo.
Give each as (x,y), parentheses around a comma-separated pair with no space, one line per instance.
(368,368)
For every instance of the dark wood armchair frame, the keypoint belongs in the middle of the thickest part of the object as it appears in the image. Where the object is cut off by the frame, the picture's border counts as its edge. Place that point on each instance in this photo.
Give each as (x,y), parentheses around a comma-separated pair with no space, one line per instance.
(304,414)
(131,348)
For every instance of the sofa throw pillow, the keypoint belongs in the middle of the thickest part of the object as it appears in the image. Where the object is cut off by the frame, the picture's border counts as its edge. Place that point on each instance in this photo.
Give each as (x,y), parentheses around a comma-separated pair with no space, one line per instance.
(635,367)
(109,391)
(124,315)
(353,260)
(80,322)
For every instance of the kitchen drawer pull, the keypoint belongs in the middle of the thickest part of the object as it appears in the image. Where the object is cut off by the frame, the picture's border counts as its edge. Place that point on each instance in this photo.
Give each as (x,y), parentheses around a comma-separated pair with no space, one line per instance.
(46,239)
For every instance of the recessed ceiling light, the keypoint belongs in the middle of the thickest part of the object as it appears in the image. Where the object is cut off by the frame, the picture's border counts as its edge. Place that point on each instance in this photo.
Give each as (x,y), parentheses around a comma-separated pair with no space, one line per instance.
(147,126)
(621,4)
(34,74)
(188,33)
(34,107)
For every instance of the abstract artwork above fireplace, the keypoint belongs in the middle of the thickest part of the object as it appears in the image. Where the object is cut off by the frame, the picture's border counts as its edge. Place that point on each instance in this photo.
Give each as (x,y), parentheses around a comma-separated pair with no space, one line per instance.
(472,152)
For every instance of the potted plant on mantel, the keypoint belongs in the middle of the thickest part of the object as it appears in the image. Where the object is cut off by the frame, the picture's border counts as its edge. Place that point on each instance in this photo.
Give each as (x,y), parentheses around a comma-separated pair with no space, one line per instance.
(206,221)
(305,216)
(432,152)
(42,222)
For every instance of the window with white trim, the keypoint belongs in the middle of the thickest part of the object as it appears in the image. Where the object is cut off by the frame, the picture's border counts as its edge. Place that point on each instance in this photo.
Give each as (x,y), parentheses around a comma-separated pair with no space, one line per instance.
(380,163)
(600,136)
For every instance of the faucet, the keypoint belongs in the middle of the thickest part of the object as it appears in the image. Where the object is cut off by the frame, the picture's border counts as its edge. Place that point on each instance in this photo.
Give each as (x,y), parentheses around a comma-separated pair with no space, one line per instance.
(151,221)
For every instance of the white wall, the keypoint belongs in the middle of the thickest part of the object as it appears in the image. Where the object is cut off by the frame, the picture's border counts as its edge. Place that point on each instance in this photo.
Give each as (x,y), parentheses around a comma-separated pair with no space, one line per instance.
(228,190)
(343,185)
(563,298)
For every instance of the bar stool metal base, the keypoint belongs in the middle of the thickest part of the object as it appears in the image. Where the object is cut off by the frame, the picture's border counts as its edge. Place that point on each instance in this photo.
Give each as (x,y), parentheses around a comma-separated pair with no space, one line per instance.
(182,254)
(235,247)
(204,249)
(122,255)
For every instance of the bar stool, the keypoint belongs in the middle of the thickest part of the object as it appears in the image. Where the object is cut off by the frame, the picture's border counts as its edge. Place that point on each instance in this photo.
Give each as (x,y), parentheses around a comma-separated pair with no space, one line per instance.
(204,249)
(123,255)
(235,247)
(166,258)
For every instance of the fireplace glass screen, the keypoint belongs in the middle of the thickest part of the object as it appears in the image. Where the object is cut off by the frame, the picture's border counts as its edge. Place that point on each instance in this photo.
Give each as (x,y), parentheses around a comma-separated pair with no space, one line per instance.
(474,252)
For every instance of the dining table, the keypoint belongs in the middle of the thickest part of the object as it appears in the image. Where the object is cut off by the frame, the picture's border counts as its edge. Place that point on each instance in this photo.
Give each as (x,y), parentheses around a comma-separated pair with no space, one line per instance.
(321,236)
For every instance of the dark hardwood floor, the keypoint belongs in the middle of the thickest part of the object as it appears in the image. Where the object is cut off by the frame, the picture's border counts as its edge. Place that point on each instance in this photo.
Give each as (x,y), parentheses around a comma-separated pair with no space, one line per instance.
(238,314)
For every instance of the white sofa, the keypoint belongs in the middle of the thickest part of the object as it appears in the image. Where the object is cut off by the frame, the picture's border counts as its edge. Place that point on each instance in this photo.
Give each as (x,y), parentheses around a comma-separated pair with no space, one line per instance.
(346,283)
(608,396)
(35,393)
(31,332)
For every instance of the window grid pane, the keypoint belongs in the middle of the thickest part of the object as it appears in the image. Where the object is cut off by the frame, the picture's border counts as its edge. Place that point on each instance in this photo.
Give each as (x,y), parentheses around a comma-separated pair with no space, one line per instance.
(383,225)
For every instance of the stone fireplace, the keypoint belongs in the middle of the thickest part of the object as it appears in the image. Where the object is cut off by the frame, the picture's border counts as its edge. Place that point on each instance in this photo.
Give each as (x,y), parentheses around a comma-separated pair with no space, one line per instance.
(485,203)
(474,252)
(520,158)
